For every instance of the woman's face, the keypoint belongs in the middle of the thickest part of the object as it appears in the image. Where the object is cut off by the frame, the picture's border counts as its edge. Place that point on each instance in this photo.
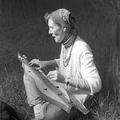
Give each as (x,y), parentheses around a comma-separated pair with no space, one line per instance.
(58,32)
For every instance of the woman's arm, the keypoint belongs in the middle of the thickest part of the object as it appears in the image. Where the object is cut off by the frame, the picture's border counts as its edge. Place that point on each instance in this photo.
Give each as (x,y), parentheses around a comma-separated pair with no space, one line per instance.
(87,80)
(54,62)
(42,64)
(91,81)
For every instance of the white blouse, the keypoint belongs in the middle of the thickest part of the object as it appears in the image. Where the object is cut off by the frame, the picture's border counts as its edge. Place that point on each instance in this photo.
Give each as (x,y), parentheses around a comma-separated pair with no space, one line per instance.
(77,66)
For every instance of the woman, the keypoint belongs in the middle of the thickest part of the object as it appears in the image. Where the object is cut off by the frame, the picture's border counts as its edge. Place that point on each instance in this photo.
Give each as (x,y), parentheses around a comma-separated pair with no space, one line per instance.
(76,67)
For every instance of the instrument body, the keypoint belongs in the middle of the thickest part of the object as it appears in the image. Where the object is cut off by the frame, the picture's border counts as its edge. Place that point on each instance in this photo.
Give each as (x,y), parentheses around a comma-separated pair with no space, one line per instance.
(51,91)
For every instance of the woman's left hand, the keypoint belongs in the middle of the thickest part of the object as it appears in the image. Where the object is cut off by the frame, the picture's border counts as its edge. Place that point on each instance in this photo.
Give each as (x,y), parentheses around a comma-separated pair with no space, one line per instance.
(55,76)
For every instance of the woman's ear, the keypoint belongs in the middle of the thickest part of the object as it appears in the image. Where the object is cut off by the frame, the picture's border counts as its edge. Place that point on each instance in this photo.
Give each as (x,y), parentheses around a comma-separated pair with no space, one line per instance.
(64,29)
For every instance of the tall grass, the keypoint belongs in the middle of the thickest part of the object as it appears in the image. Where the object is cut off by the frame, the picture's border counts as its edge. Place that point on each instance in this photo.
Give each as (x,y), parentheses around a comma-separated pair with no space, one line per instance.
(12,91)
(108,107)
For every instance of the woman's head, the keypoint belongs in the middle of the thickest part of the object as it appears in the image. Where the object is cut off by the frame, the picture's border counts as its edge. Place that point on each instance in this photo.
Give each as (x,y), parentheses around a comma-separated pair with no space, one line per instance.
(61,24)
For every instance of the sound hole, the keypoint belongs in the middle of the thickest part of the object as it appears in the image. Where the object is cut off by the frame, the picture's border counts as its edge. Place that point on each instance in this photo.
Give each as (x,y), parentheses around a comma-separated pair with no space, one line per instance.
(57,86)
(45,89)
(59,94)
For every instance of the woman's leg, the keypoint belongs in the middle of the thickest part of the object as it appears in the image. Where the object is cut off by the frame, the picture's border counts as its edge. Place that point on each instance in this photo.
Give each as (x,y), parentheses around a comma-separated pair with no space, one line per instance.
(33,96)
(41,108)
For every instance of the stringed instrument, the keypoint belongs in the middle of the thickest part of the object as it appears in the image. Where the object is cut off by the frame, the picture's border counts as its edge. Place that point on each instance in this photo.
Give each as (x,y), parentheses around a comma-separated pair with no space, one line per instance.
(51,91)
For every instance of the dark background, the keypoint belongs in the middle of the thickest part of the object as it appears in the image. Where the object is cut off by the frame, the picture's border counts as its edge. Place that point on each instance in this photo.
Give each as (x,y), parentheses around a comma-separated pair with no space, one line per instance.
(23,29)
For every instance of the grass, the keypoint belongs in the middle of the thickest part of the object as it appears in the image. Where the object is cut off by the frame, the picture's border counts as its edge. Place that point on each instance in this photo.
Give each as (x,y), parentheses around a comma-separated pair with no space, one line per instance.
(12,91)
(108,108)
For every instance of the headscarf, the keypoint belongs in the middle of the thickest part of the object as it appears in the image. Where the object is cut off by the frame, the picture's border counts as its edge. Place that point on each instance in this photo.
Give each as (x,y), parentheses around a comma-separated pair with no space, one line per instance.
(60,16)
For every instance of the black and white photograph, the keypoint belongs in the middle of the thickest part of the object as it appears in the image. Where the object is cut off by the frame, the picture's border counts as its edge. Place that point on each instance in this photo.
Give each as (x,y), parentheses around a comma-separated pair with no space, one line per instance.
(59,59)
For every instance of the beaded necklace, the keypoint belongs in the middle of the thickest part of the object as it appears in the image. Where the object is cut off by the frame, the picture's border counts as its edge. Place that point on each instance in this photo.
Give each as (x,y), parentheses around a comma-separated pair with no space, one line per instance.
(65,58)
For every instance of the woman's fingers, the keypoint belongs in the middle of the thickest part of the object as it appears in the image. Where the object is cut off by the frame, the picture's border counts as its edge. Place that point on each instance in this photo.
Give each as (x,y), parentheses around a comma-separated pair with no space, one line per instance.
(34,61)
(55,75)
(52,75)
(52,78)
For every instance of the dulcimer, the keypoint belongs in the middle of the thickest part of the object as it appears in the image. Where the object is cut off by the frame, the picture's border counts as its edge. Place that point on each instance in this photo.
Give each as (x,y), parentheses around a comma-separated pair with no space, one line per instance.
(51,91)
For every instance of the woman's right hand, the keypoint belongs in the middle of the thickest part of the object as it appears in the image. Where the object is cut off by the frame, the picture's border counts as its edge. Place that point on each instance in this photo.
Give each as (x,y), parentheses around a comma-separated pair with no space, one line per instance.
(34,62)
(37,62)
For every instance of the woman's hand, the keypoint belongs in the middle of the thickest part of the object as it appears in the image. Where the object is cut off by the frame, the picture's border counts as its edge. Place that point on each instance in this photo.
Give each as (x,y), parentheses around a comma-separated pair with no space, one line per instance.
(37,62)
(34,61)
(55,76)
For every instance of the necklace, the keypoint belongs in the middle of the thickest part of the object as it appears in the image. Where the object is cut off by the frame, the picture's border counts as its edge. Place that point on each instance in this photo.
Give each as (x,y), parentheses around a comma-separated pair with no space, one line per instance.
(68,45)
(65,58)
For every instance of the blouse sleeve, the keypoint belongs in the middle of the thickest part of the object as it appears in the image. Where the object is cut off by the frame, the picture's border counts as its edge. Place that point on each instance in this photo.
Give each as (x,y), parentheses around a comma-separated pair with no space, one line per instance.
(89,72)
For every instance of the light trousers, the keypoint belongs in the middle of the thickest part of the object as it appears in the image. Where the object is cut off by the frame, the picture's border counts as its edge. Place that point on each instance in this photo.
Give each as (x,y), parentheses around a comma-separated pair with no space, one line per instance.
(32,91)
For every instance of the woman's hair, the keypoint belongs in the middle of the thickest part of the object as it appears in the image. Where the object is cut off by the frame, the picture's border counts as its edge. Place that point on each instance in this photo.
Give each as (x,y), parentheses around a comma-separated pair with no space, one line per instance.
(63,18)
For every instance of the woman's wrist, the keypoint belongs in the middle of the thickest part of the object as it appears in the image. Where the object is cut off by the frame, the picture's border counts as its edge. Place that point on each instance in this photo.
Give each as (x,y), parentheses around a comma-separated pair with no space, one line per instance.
(69,83)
